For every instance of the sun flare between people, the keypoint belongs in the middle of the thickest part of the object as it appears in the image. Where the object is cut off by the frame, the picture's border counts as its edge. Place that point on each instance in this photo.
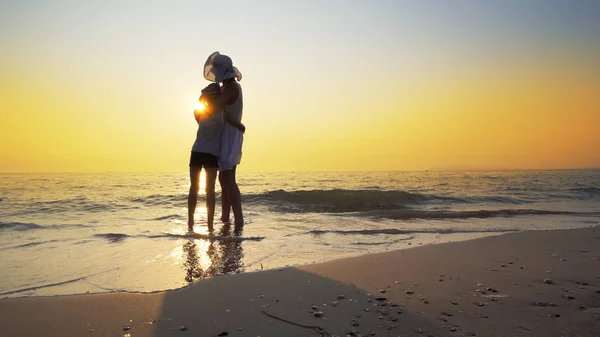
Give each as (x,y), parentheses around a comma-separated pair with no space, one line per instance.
(200,106)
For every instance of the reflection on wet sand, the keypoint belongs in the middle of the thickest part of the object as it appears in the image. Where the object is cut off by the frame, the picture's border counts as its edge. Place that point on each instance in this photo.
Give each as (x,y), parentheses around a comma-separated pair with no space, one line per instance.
(205,257)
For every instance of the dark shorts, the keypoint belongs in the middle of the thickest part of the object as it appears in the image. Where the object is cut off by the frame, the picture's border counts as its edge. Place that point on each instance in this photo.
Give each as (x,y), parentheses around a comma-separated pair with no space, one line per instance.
(205,160)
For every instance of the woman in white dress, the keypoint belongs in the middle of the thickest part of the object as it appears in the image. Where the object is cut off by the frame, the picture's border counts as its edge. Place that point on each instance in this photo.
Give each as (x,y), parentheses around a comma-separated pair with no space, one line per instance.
(219,68)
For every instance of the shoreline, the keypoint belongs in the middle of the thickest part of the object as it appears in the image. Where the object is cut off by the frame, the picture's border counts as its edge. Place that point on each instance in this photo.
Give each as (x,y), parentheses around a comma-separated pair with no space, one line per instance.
(529,283)
(461,237)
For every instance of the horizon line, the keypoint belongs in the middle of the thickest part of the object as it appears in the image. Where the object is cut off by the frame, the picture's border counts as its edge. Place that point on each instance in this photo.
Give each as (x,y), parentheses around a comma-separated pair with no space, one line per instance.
(325,171)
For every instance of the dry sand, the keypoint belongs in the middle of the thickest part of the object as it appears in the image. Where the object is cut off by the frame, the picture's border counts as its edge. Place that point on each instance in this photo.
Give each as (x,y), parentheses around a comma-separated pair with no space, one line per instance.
(521,284)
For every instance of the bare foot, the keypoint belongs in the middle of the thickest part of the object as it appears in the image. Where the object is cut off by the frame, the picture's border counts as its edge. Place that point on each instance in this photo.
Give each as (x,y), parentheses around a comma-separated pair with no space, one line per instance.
(191,225)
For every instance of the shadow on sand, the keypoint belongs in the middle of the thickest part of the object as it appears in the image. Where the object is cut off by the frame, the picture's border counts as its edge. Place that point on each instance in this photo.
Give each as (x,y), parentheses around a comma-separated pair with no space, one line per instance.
(281,302)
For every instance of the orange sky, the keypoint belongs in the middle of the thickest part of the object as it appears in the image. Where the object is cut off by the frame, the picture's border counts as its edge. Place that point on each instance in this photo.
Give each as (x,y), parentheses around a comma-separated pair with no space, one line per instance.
(357,91)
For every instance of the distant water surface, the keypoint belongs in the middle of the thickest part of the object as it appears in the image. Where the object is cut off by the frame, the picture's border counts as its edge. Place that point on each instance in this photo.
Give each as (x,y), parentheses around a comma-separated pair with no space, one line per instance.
(78,233)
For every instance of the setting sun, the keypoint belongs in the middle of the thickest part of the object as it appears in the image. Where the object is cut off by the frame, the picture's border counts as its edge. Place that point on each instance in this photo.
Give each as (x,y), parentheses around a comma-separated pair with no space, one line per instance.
(200,106)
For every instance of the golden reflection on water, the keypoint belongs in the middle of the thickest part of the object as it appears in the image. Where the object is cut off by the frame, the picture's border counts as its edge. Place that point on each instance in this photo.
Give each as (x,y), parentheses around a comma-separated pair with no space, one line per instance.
(213,254)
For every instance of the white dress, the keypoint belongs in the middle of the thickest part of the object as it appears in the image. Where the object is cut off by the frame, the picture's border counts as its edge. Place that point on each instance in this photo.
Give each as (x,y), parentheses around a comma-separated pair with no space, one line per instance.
(232,138)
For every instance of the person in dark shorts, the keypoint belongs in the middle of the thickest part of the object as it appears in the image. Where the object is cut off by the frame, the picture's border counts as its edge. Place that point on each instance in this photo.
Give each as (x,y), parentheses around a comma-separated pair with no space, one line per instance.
(205,152)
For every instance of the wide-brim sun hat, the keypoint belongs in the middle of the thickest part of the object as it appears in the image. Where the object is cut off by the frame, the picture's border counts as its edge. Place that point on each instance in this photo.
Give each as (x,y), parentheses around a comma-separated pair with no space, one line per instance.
(219,67)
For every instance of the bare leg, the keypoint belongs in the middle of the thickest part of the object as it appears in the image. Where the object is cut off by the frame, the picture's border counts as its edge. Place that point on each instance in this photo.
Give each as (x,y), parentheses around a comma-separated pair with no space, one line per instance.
(233,192)
(193,195)
(211,177)
(225,202)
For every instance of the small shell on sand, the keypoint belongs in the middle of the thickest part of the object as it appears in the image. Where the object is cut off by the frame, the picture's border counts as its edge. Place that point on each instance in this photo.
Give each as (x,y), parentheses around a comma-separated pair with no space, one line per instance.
(543,304)
(183,328)
(381,298)
(548,281)
(340,297)
(127,328)
(409,292)
(318,314)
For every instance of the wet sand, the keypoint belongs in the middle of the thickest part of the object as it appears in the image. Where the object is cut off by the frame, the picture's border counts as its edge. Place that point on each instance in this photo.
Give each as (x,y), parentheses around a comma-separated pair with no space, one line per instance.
(543,283)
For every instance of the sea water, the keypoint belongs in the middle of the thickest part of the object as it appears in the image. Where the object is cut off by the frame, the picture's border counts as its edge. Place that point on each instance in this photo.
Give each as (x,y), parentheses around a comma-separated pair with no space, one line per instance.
(89,233)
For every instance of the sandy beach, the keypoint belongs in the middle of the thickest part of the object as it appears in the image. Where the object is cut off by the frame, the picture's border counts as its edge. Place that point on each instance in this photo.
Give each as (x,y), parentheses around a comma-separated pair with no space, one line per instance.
(535,283)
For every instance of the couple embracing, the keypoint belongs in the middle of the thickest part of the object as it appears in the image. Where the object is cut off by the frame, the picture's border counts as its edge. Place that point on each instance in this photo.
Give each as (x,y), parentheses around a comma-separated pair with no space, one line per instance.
(218,145)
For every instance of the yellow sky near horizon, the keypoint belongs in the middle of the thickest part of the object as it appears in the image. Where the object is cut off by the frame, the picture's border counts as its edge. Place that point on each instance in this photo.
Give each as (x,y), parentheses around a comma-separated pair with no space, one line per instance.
(124,102)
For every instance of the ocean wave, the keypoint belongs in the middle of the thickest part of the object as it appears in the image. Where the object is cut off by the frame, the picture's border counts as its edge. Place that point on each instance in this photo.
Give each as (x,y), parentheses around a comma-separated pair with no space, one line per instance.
(19,226)
(170,217)
(382,243)
(588,190)
(335,201)
(64,206)
(32,244)
(408,214)
(395,231)
(118,237)
(359,200)
(343,201)
(42,286)
(162,199)
(113,237)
